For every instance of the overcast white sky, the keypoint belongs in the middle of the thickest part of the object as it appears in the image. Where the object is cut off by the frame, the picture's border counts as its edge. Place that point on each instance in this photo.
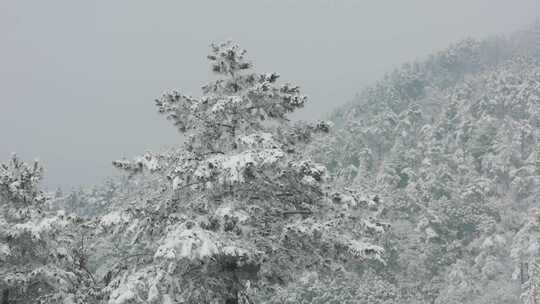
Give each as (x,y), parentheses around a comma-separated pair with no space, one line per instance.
(78,78)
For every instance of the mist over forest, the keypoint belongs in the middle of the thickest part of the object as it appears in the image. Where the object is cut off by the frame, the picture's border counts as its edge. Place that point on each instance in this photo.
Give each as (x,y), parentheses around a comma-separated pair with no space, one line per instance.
(421,185)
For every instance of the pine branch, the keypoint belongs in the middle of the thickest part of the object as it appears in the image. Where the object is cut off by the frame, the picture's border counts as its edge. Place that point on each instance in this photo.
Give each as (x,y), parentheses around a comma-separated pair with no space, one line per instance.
(289,212)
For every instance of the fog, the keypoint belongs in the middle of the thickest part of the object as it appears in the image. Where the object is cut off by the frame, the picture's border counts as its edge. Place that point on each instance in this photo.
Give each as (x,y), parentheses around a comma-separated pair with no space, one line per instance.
(78,78)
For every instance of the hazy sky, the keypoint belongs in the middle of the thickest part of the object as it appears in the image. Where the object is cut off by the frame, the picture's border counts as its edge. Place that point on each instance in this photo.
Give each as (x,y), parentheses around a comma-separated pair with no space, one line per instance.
(78,78)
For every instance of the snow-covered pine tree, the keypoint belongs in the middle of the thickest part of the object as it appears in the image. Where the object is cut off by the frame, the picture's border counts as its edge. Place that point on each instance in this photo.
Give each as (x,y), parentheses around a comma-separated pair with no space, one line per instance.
(470,162)
(531,290)
(37,251)
(240,209)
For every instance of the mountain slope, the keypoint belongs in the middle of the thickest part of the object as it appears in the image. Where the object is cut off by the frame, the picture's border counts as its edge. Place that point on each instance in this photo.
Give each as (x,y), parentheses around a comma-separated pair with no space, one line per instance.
(451,145)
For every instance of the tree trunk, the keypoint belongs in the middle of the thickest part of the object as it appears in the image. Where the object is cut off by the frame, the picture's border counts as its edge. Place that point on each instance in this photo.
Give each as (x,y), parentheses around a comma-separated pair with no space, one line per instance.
(5,296)
(233,297)
(231,300)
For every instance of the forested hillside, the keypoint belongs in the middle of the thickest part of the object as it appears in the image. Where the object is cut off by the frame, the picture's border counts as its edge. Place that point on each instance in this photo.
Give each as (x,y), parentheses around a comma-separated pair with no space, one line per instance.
(451,145)
(423,189)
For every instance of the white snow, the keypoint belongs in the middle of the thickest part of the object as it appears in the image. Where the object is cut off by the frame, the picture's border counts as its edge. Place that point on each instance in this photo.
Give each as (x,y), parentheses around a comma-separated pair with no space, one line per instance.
(4,250)
(229,210)
(187,243)
(114,218)
(37,227)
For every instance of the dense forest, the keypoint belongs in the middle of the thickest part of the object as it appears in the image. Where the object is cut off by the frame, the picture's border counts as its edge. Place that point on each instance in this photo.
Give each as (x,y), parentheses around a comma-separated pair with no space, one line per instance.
(423,189)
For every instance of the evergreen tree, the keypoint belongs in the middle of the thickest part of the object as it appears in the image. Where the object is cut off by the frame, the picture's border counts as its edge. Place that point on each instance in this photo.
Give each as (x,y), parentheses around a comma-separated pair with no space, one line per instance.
(240,209)
(37,251)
